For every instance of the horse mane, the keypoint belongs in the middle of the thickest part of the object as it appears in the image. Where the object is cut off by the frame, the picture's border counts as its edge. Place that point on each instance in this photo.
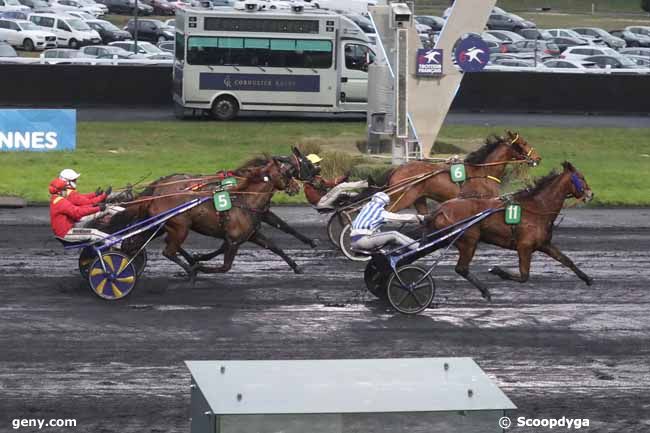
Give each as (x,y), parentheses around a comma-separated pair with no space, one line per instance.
(481,154)
(258,161)
(537,186)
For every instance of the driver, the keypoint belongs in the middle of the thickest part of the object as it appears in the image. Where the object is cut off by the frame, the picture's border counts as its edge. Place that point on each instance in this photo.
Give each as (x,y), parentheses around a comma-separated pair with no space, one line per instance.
(366,234)
(70,210)
(322,193)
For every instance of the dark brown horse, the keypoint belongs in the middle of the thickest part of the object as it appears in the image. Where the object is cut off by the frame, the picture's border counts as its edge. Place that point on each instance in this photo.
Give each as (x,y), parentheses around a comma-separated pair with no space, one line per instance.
(540,206)
(484,169)
(250,198)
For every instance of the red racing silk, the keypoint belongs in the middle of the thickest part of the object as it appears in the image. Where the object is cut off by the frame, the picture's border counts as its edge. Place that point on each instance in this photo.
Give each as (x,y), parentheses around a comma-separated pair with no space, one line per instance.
(79,199)
(64,214)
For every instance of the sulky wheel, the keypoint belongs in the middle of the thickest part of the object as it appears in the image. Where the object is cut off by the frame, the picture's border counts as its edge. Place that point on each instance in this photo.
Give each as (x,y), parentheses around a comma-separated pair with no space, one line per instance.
(335,226)
(376,281)
(86,258)
(117,280)
(410,289)
(346,246)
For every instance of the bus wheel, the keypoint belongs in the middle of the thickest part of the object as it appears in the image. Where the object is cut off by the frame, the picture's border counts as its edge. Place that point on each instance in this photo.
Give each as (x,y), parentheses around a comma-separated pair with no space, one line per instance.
(225,108)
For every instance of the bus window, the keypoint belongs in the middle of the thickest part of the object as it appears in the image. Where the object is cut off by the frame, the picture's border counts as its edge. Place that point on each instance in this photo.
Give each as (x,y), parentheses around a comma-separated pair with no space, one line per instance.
(358,57)
(281,53)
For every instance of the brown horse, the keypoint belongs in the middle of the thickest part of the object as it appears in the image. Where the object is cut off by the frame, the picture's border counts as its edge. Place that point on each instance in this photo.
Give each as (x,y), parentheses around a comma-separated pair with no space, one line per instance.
(250,198)
(484,169)
(540,206)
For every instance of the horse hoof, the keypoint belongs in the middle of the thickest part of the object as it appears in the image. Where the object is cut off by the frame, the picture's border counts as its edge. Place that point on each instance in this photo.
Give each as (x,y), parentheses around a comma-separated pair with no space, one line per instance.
(314,243)
(589,281)
(298,270)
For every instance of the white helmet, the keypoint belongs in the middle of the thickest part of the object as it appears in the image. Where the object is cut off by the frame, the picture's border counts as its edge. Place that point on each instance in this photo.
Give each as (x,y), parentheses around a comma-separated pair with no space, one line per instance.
(382,198)
(69,174)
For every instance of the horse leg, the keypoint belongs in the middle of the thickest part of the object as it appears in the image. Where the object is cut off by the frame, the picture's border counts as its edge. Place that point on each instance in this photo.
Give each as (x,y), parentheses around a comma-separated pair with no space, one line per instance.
(230,249)
(525,254)
(261,240)
(187,256)
(176,235)
(209,256)
(466,250)
(554,252)
(273,220)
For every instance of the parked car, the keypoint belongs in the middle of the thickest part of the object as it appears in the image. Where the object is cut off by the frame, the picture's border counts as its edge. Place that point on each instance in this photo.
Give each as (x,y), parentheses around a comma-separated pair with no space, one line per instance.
(641,61)
(145,48)
(26,35)
(583,51)
(108,52)
(150,30)
(596,33)
(569,64)
(58,55)
(65,6)
(14,15)
(70,31)
(168,46)
(13,6)
(92,4)
(497,47)
(644,52)
(186,3)
(505,35)
(535,34)
(170,24)
(632,39)
(7,50)
(568,33)
(161,7)
(127,7)
(506,21)
(84,16)
(108,31)
(514,63)
(564,43)
(541,47)
(35,5)
(436,23)
(612,62)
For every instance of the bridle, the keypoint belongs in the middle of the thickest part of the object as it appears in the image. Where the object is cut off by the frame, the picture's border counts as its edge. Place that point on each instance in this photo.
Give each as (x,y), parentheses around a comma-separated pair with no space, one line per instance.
(578,184)
(527,154)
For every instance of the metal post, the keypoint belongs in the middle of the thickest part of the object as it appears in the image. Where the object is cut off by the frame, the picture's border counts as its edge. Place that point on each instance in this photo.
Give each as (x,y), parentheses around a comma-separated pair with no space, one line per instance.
(135,23)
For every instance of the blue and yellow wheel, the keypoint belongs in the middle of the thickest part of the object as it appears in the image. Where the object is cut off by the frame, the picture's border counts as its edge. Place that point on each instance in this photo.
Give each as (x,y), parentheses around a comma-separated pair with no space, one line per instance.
(117,281)
(86,258)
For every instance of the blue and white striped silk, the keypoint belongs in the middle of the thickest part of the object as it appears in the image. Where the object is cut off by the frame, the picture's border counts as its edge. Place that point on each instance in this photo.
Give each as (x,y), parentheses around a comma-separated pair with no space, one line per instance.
(371,216)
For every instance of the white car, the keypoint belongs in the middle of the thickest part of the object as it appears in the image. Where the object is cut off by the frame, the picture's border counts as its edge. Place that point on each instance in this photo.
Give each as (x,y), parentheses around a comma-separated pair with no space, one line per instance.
(147,49)
(13,6)
(108,52)
(76,5)
(569,64)
(580,52)
(89,5)
(70,31)
(568,33)
(505,35)
(85,16)
(26,35)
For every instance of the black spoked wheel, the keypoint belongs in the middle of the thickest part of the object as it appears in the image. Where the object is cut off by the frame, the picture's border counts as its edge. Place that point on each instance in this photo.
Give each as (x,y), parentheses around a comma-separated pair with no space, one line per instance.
(376,281)
(345,244)
(225,108)
(410,289)
(86,258)
(335,226)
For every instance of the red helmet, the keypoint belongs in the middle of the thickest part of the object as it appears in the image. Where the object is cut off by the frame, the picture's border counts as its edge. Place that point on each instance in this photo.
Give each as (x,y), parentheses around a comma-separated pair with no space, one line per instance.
(57,185)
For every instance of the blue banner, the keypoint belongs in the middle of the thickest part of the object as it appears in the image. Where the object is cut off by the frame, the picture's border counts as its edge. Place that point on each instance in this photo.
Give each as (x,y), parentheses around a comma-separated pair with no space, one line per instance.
(37,130)
(428,62)
(260,82)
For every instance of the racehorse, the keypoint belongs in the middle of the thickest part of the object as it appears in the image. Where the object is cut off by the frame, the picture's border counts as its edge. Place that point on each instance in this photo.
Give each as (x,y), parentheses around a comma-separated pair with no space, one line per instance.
(250,198)
(540,206)
(412,183)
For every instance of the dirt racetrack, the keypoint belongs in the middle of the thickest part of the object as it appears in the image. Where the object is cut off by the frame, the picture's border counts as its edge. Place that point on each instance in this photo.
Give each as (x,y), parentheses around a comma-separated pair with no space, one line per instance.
(555,346)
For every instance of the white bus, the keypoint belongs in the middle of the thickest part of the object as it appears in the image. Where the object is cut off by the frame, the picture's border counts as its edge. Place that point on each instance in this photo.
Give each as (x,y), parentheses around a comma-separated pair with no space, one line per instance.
(227,61)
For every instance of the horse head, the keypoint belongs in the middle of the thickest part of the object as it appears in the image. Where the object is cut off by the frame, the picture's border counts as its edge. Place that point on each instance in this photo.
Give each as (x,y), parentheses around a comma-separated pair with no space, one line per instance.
(304,169)
(523,150)
(578,186)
